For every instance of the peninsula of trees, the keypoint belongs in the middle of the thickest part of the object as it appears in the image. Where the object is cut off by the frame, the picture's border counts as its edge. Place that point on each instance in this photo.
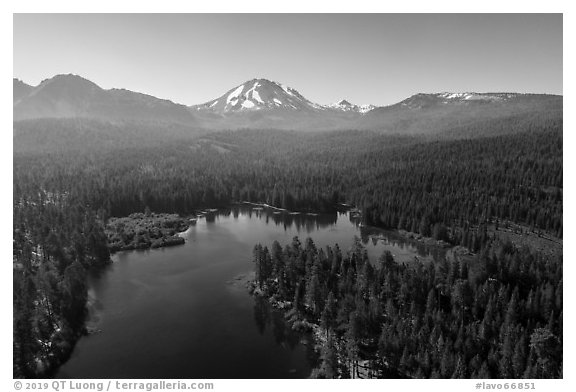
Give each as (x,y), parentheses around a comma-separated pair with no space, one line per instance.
(498,315)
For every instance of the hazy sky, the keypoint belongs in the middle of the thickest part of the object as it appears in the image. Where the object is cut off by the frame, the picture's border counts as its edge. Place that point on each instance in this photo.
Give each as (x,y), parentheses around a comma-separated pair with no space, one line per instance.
(365,58)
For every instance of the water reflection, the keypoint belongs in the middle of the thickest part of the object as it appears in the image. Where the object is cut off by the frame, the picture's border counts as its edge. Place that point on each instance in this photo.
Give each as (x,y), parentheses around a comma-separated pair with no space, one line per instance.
(265,316)
(302,222)
(407,249)
(306,224)
(193,323)
(261,314)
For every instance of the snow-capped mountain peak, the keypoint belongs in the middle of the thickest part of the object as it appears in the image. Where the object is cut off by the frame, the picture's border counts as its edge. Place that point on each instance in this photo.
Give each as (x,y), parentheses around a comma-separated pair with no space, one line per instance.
(344,102)
(264,94)
(346,106)
(259,94)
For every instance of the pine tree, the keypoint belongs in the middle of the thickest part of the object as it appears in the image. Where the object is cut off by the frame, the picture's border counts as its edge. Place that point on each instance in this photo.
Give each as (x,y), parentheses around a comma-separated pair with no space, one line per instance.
(329,365)
(328,317)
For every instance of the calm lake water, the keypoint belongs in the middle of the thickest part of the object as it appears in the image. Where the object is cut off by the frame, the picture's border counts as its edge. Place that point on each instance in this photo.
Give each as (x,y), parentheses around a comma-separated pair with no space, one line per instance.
(174,313)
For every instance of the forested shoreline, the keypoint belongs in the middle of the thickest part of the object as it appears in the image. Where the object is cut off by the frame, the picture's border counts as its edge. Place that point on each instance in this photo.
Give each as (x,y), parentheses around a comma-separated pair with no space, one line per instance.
(56,242)
(498,315)
(65,192)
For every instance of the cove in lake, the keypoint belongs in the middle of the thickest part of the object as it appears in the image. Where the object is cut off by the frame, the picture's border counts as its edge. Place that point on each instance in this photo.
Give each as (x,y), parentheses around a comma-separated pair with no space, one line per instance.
(174,313)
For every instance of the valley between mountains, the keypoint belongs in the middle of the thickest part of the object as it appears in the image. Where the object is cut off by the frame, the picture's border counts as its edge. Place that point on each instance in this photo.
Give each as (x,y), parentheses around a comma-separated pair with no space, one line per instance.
(422,239)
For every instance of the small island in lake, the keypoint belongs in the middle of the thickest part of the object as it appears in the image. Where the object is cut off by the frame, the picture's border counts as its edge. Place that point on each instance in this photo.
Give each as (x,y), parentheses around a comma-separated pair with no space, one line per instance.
(145,230)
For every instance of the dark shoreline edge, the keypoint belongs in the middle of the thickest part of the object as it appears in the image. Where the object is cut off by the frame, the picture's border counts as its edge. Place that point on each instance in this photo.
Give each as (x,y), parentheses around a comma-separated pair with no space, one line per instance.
(52,364)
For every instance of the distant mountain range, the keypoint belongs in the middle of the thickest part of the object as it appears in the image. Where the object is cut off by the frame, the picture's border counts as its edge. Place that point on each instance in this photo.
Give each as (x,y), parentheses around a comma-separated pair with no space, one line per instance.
(71,96)
(346,106)
(261,103)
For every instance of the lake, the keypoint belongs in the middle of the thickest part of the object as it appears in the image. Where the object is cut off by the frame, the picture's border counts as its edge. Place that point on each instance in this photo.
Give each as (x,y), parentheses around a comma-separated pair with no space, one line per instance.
(174,313)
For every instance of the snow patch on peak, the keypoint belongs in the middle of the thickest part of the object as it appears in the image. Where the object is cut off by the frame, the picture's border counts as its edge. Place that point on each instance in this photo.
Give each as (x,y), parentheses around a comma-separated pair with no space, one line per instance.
(256,96)
(234,95)
(286,89)
(253,92)
(455,95)
(365,108)
(470,96)
(247,104)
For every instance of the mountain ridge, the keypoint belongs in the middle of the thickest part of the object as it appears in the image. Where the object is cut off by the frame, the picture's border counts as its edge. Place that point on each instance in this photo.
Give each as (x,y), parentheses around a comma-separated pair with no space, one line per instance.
(261,103)
(72,96)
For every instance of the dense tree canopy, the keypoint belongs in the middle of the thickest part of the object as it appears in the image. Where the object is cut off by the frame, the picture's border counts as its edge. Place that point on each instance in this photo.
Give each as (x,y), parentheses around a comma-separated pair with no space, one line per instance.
(55,242)
(497,315)
(70,178)
(399,182)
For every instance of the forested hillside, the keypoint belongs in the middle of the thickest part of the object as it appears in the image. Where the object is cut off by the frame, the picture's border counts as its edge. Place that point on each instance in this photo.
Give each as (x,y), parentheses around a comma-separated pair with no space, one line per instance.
(399,182)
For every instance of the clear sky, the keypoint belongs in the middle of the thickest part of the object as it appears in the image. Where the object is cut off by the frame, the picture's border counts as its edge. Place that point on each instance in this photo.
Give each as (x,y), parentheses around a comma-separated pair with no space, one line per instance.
(365,58)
